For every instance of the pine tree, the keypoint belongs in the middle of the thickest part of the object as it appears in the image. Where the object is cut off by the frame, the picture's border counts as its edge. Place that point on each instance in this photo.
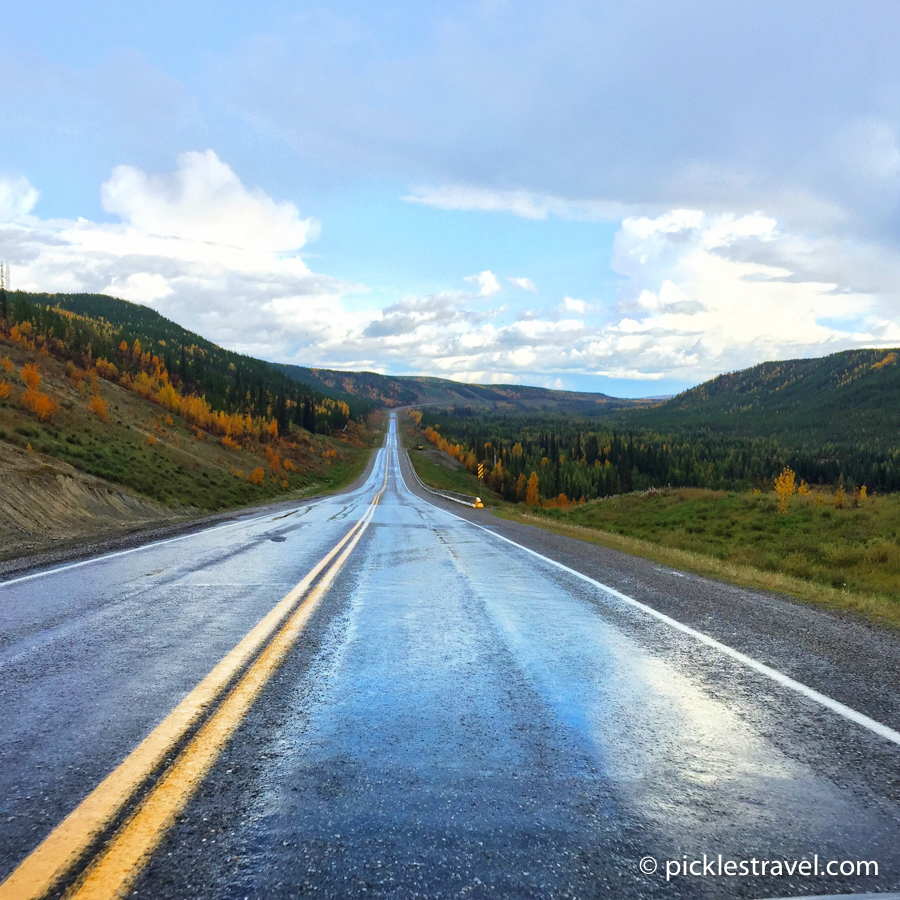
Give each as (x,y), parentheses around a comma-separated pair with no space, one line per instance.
(309,415)
(283,425)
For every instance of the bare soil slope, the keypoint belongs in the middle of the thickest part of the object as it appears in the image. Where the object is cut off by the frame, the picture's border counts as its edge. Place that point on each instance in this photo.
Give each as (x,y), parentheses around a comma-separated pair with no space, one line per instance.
(46,503)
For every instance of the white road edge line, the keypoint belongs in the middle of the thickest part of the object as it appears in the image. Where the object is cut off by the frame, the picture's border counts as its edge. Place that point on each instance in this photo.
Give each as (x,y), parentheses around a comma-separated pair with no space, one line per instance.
(182,537)
(780,678)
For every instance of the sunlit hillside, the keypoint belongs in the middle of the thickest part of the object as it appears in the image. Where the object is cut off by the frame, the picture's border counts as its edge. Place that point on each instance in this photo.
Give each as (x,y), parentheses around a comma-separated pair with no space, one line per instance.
(81,395)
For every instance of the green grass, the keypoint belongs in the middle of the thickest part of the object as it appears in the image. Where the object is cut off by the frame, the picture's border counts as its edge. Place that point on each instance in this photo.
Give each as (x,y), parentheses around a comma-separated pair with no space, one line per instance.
(443,479)
(847,558)
(440,477)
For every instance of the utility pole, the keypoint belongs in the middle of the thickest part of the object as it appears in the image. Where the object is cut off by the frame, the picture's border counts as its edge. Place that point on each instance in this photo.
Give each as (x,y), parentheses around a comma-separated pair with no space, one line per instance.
(4,306)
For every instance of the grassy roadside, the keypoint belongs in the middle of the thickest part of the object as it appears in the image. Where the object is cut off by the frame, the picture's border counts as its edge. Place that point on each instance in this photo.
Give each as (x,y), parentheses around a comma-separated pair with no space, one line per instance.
(842,559)
(50,511)
(441,477)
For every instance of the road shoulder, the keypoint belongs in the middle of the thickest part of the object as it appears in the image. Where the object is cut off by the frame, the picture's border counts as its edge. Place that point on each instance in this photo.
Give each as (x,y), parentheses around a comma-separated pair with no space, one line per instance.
(78,549)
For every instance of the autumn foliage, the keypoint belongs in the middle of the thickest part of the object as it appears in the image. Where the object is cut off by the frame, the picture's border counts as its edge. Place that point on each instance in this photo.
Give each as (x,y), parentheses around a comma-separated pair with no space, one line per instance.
(31,376)
(42,405)
(97,407)
(785,488)
(532,497)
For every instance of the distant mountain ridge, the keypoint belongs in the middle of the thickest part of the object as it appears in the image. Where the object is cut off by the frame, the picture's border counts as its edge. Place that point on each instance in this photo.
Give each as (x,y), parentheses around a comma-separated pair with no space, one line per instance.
(404,390)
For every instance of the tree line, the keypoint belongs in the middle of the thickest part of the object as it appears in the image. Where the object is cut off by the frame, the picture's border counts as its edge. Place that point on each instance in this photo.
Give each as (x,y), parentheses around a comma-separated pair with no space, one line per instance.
(574,458)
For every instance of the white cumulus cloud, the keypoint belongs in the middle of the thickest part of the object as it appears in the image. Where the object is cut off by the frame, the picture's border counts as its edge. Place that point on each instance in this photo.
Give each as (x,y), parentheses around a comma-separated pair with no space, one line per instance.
(486,281)
(203,203)
(17,199)
(705,294)
(571,304)
(699,293)
(526,284)
(199,245)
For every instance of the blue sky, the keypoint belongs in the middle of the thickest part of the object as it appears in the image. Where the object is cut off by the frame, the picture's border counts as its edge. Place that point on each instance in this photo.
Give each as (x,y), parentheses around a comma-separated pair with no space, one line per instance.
(620,197)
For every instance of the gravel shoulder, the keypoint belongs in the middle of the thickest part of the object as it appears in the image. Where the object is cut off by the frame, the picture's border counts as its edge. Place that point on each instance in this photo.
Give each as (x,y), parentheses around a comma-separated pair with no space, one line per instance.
(50,513)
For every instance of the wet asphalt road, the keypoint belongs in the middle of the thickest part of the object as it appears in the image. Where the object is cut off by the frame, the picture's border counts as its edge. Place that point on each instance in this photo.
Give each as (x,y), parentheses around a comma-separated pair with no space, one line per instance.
(459,719)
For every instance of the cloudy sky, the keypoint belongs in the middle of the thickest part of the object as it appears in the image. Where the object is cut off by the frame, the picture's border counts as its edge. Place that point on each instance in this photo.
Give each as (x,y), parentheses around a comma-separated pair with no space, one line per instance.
(625,197)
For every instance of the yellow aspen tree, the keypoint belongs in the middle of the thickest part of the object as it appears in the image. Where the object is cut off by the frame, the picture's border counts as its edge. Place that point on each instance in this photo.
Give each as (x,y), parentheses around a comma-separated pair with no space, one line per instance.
(97,407)
(785,488)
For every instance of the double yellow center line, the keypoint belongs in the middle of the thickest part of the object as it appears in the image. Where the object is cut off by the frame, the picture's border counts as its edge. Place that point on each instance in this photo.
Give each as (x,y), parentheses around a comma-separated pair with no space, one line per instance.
(117,864)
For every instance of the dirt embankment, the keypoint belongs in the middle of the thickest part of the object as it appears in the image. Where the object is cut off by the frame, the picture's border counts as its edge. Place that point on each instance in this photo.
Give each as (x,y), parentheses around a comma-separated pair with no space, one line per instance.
(46,503)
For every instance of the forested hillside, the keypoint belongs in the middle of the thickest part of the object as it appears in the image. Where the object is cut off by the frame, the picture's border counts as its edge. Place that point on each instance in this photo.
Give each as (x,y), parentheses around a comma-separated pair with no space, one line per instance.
(850,399)
(382,390)
(96,326)
(569,458)
(831,420)
(139,402)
